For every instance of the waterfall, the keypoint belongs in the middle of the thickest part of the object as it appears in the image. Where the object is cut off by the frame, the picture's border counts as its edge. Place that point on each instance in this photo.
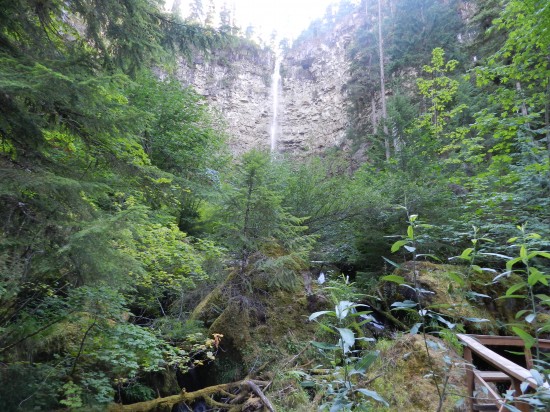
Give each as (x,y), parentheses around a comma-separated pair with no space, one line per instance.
(275,87)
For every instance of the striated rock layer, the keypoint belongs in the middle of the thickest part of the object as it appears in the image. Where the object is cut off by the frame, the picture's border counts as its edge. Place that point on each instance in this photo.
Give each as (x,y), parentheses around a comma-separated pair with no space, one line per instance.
(312,111)
(236,84)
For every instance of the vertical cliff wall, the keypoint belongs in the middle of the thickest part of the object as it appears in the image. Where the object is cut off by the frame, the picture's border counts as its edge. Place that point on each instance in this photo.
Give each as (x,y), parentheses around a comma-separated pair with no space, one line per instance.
(312,116)
(236,83)
(314,107)
(321,91)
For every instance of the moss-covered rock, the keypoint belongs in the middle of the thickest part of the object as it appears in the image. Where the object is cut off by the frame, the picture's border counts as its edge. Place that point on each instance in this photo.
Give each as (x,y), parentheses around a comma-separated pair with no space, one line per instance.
(450,292)
(259,326)
(407,375)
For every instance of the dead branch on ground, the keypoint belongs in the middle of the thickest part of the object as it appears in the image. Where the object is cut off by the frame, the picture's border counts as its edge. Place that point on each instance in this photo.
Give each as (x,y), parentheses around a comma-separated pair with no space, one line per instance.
(246,389)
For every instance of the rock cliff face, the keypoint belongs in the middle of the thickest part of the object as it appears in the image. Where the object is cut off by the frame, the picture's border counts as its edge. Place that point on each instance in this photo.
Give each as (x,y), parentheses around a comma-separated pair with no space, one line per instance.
(236,84)
(314,104)
(312,109)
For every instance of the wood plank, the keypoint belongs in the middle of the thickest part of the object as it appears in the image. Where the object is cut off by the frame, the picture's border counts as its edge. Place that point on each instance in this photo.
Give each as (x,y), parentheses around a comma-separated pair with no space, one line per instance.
(485,407)
(493,376)
(492,340)
(500,362)
(470,383)
(494,395)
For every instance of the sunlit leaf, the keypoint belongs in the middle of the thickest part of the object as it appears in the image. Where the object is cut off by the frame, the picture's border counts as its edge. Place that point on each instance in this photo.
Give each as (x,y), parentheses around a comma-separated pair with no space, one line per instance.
(398,245)
(527,339)
(315,315)
(325,346)
(394,278)
(347,338)
(373,395)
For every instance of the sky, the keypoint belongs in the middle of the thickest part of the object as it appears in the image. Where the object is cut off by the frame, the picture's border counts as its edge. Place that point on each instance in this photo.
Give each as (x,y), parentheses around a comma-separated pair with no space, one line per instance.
(288,17)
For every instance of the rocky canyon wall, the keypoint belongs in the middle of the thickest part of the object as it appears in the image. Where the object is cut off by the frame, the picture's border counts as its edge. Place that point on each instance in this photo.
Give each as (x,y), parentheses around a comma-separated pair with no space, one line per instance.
(236,83)
(312,116)
(314,107)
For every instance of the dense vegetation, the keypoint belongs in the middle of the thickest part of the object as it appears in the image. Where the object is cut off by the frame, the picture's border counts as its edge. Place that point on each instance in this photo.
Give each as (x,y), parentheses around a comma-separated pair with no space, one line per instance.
(121,210)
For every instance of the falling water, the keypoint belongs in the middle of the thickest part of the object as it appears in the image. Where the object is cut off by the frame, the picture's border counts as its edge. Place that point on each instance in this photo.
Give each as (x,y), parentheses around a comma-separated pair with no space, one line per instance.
(275,86)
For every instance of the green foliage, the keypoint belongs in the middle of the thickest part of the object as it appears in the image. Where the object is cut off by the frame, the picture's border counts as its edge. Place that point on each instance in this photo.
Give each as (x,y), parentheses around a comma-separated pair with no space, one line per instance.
(98,161)
(419,26)
(178,134)
(532,279)
(344,390)
(411,30)
(254,225)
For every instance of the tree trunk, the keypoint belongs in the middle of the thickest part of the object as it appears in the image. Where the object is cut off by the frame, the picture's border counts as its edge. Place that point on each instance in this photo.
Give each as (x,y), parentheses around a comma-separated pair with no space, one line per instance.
(382,83)
(166,403)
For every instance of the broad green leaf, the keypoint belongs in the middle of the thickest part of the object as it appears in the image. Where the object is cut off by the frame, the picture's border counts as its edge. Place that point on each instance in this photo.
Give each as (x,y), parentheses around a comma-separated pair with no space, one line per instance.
(477,295)
(523,386)
(544,299)
(410,232)
(503,274)
(512,297)
(408,304)
(536,276)
(477,320)
(315,315)
(348,338)
(530,318)
(537,377)
(527,339)
(434,257)
(521,313)
(391,262)
(415,328)
(515,288)
(450,325)
(342,309)
(398,245)
(456,277)
(523,253)
(512,262)
(325,346)
(466,253)
(372,394)
(394,278)
(362,313)
(499,255)
(327,328)
(364,363)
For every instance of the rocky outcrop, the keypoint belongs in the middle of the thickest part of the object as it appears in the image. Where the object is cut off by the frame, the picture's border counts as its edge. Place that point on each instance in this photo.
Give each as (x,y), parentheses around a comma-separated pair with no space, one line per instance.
(236,83)
(314,108)
(312,116)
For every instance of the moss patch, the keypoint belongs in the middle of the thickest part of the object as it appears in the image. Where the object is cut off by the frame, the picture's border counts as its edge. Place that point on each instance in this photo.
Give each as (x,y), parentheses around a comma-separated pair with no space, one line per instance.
(446,295)
(262,328)
(406,381)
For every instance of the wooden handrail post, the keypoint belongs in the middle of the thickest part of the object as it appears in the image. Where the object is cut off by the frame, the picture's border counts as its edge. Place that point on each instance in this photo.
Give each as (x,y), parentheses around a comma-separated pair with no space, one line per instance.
(469,378)
(522,406)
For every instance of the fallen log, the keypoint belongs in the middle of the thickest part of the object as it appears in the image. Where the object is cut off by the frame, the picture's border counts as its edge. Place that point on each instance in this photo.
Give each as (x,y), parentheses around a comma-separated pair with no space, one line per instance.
(166,403)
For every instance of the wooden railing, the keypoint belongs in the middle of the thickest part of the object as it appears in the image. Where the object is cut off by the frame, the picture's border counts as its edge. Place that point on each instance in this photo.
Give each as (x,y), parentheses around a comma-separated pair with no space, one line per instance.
(505,370)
